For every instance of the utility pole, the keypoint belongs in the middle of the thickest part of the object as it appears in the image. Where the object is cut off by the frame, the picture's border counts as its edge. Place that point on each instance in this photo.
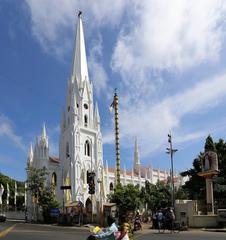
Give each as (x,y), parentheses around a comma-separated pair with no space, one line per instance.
(114,105)
(171,151)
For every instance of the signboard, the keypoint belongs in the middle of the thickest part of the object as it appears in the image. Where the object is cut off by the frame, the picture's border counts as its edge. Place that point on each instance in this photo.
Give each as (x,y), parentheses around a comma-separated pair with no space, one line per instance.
(55,212)
(65,187)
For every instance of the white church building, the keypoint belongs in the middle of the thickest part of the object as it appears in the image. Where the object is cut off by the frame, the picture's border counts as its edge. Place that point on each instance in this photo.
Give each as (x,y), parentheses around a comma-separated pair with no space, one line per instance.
(81,147)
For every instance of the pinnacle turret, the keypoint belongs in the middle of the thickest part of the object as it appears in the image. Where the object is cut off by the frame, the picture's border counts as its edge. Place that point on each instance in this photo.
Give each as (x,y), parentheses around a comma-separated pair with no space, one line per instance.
(106,166)
(97,116)
(44,136)
(30,156)
(74,101)
(136,156)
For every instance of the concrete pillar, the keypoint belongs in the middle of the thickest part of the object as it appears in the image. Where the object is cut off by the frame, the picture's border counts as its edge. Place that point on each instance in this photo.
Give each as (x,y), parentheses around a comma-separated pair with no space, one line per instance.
(209,196)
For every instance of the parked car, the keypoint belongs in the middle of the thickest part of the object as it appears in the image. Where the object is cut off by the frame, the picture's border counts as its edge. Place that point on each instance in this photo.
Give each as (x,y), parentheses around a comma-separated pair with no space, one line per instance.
(2,217)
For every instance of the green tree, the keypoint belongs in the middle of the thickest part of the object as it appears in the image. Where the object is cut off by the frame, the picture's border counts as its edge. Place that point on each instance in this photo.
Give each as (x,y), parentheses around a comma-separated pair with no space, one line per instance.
(48,201)
(36,181)
(156,196)
(220,180)
(126,197)
(181,193)
(43,195)
(221,154)
(195,186)
(20,190)
(209,144)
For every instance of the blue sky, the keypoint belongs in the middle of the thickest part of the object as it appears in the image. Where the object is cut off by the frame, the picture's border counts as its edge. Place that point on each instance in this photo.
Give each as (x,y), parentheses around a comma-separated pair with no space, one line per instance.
(167,59)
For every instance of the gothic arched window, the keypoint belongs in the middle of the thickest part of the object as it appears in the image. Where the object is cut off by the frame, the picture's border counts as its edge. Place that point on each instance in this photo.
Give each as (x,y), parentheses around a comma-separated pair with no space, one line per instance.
(54,179)
(85,120)
(111,186)
(87,148)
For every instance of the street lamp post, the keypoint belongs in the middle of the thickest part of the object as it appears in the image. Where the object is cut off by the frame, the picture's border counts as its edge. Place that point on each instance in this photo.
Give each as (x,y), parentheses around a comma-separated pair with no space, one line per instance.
(100,200)
(171,151)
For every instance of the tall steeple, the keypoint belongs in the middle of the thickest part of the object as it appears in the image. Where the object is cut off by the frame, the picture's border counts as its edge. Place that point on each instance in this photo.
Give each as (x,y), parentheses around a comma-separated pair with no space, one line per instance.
(136,156)
(79,66)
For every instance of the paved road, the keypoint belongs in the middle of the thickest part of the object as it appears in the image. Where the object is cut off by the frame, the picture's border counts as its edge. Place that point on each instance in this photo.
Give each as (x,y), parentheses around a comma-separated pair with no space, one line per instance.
(44,232)
(27,231)
(192,234)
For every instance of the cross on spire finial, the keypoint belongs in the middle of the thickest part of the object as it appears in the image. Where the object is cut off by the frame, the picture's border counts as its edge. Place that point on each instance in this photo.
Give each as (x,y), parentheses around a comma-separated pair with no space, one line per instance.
(79,13)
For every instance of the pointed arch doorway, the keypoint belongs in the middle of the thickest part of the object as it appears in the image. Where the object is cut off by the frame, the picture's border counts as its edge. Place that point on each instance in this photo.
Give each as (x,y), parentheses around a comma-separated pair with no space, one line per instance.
(88,206)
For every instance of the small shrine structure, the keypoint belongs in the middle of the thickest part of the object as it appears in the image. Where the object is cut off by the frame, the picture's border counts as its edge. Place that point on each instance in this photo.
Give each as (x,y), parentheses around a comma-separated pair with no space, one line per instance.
(209,170)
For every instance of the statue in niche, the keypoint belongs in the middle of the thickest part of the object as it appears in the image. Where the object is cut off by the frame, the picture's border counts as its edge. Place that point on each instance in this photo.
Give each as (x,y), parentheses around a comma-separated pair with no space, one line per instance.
(207,162)
(210,161)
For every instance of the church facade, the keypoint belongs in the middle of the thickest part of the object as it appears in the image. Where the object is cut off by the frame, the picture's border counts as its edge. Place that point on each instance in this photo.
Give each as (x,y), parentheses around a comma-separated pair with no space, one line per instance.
(80,147)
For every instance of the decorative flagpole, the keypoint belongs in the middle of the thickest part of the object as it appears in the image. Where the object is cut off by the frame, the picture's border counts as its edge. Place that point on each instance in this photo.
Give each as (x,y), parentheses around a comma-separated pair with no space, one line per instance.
(117,145)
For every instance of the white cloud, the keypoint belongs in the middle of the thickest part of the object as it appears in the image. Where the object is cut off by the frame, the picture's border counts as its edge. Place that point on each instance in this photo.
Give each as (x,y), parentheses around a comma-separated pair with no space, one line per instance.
(98,74)
(152,122)
(155,36)
(170,34)
(50,22)
(53,22)
(173,36)
(190,137)
(6,130)
(108,137)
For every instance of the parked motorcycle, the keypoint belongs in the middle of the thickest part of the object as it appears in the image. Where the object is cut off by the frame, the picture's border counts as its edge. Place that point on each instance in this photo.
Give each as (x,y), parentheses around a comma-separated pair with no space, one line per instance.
(137,225)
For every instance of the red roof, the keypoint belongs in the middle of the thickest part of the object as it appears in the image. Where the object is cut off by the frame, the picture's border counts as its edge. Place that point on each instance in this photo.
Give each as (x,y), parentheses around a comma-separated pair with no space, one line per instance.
(128,173)
(54,159)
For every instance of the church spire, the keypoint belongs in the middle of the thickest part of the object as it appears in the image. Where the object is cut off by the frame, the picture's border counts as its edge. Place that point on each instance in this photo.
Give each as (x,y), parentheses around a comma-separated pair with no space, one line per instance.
(79,67)
(136,154)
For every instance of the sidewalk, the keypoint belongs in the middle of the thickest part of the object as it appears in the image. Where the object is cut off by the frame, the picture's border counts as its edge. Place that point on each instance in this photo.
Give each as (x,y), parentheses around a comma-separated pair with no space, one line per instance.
(214,229)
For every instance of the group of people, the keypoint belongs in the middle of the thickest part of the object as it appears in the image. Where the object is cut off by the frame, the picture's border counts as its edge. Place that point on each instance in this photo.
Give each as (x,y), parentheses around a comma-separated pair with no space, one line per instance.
(112,232)
(164,217)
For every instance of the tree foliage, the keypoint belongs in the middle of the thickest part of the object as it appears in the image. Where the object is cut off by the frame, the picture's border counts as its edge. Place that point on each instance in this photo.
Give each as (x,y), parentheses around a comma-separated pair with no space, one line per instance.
(209,144)
(36,181)
(156,196)
(48,201)
(43,194)
(195,187)
(20,191)
(132,198)
(126,197)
